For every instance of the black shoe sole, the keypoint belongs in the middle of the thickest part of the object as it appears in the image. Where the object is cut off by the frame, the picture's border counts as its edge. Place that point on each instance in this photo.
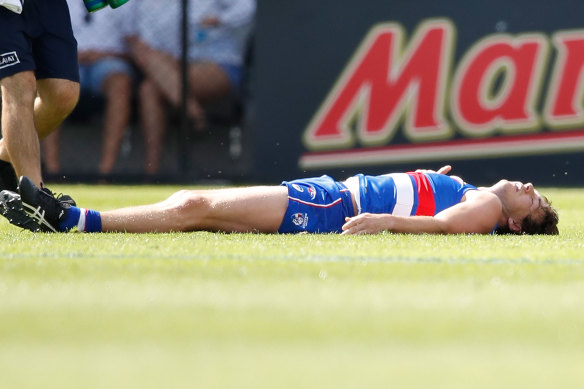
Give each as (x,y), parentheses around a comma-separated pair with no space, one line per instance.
(11,208)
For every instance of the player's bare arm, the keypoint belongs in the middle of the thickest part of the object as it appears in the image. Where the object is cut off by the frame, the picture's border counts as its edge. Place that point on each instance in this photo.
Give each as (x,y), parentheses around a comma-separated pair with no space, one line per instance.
(479,213)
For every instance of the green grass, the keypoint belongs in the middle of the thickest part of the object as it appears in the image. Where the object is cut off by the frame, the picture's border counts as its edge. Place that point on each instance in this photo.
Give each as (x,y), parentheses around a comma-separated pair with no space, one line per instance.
(203,310)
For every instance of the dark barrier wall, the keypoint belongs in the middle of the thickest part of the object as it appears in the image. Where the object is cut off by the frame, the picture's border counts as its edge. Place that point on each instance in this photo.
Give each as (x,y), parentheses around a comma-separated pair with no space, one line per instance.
(496,88)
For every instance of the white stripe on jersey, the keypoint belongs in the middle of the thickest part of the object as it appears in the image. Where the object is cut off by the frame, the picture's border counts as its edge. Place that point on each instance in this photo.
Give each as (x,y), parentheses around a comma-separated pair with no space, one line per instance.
(404,201)
(353,185)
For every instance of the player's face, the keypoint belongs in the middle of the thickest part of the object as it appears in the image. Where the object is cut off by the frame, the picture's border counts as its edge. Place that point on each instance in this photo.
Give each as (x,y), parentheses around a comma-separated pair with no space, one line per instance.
(523,200)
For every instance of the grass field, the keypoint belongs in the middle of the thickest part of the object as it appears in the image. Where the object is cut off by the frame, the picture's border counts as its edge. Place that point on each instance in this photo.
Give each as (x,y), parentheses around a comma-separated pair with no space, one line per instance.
(203,310)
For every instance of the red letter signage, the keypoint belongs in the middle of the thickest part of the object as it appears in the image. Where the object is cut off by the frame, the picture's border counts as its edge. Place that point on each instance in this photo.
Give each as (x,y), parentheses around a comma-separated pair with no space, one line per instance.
(566,90)
(383,83)
(497,84)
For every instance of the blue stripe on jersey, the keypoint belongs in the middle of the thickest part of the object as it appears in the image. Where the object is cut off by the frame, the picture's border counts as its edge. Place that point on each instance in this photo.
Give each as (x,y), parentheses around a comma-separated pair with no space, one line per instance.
(450,190)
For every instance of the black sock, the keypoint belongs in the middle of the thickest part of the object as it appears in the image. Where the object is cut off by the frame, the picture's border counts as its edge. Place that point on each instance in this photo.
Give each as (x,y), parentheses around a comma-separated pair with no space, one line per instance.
(7,177)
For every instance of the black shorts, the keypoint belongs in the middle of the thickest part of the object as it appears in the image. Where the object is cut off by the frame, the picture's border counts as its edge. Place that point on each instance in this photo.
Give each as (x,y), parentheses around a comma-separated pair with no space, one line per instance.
(40,39)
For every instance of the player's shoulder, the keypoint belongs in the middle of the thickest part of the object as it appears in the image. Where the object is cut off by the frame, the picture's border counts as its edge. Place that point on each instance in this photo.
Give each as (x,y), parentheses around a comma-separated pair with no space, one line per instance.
(486,198)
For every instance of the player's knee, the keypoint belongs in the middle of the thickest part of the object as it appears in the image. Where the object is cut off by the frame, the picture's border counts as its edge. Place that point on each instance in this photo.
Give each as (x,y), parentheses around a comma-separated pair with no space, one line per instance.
(190,208)
(190,201)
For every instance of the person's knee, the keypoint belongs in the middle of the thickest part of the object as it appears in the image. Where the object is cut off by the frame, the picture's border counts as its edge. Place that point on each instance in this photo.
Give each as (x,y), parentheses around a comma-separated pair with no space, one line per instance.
(191,202)
(190,209)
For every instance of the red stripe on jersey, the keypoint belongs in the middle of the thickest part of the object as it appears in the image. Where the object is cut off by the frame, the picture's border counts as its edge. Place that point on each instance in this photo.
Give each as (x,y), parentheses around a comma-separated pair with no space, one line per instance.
(426,203)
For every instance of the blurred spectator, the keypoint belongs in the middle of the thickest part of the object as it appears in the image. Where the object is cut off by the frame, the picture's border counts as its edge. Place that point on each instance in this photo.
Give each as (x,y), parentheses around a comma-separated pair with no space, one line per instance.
(106,72)
(218,34)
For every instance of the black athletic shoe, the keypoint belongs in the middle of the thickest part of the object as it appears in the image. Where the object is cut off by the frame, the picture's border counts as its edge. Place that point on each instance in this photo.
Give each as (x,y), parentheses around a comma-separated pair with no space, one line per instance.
(11,209)
(42,205)
(7,177)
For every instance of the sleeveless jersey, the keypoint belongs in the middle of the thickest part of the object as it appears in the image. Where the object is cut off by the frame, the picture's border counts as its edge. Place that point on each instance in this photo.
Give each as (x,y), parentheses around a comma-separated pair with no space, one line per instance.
(407,194)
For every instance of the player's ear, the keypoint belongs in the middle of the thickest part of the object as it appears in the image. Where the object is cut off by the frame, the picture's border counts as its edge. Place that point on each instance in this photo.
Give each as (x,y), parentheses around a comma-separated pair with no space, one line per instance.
(514,225)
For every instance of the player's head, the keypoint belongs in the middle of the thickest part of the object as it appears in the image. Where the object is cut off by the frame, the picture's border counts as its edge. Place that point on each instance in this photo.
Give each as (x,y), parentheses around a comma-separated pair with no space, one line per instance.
(545,224)
(527,211)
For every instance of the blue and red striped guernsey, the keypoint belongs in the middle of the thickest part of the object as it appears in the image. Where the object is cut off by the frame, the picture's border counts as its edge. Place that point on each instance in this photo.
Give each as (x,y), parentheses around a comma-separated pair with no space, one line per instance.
(408,194)
(426,203)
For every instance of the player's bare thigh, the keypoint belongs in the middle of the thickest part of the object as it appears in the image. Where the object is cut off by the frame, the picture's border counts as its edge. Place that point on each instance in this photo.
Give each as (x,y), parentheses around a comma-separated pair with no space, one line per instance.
(250,209)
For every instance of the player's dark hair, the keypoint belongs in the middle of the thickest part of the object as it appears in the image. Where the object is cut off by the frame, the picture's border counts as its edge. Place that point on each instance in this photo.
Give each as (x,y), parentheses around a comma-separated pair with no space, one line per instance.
(548,225)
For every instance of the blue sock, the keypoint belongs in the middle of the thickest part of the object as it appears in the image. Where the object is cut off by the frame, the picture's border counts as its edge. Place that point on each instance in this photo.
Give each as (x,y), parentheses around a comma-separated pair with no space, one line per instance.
(86,220)
(71,219)
(92,221)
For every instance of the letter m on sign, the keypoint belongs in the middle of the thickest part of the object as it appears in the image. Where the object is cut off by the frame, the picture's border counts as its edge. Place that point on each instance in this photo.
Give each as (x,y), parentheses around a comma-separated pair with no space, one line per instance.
(385,82)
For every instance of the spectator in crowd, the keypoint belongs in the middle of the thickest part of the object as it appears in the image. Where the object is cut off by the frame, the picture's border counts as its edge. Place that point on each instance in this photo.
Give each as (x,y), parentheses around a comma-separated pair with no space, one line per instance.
(218,33)
(39,82)
(105,71)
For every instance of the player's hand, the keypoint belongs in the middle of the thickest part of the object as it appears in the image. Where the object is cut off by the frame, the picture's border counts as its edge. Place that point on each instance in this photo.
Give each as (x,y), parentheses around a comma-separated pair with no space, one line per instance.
(365,223)
(443,170)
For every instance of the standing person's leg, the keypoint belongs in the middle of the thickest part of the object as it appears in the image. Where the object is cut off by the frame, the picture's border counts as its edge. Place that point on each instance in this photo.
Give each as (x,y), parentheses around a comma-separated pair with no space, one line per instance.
(32,109)
(41,41)
(56,99)
(20,141)
(15,72)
